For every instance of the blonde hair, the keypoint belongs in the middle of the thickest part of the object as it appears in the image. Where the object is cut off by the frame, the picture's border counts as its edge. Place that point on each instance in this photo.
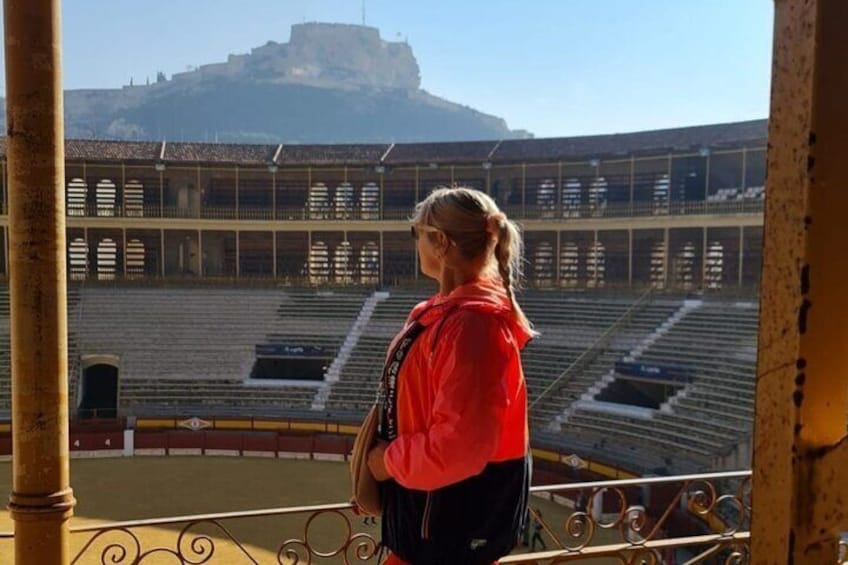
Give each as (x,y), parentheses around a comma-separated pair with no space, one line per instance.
(473,221)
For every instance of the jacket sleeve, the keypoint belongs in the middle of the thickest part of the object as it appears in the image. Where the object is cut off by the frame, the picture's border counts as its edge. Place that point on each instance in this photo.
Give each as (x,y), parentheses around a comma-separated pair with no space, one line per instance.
(470,363)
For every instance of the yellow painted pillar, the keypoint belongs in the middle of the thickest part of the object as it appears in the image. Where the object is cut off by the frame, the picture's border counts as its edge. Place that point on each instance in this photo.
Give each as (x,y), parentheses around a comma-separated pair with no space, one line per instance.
(41,501)
(800,481)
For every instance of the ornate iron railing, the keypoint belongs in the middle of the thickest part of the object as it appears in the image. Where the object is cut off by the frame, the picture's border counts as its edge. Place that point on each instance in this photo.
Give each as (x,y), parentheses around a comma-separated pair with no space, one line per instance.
(683,519)
(119,543)
(616,522)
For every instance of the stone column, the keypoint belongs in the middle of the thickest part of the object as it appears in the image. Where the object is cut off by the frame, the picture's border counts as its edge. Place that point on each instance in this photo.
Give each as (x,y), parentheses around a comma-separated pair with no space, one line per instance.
(800,475)
(41,501)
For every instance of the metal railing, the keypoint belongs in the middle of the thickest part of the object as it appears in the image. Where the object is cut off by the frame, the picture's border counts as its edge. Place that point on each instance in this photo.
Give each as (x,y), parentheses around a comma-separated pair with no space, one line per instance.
(550,213)
(690,518)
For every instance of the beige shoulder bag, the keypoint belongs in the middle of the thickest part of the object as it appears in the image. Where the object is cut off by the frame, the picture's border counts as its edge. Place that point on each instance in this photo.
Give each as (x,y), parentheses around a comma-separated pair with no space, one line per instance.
(366,490)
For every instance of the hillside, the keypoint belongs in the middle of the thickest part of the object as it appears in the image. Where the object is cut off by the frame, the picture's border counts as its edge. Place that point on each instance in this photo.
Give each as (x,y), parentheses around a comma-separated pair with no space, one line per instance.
(329,83)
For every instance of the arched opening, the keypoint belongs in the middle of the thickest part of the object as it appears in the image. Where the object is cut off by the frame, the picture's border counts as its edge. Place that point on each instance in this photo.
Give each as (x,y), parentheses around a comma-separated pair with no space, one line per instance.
(105,193)
(78,259)
(343,201)
(318,202)
(319,263)
(684,266)
(343,263)
(543,264)
(598,196)
(658,277)
(660,195)
(369,201)
(98,390)
(369,263)
(135,259)
(546,198)
(188,255)
(77,192)
(714,266)
(596,265)
(571,198)
(134,199)
(184,198)
(569,265)
(107,259)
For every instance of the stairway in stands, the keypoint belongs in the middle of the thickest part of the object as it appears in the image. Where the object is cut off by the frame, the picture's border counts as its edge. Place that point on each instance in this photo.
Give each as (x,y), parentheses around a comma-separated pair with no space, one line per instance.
(356,388)
(715,345)
(347,348)
(569,323)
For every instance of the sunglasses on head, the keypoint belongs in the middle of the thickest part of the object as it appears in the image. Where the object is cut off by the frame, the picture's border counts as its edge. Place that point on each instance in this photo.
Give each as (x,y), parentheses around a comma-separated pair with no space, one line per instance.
(415,228)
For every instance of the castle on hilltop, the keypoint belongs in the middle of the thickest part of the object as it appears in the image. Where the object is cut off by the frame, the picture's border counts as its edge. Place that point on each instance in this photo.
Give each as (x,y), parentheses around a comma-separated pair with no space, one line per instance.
(323,54)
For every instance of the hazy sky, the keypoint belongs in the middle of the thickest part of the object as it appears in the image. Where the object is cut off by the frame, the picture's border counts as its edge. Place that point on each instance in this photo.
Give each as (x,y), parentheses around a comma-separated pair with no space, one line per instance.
(553,67)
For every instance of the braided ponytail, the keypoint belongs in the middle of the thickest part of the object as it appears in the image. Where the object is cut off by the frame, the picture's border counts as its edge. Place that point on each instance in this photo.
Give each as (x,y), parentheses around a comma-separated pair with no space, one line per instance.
(508,252)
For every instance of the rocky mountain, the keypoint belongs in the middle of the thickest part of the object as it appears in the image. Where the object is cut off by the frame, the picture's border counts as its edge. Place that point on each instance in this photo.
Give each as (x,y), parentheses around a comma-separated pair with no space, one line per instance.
(330,83)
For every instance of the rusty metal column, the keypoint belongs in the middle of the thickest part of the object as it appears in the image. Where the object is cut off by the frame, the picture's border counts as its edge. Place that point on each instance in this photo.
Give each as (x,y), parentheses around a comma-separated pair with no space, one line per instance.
(800,480)
(41,501)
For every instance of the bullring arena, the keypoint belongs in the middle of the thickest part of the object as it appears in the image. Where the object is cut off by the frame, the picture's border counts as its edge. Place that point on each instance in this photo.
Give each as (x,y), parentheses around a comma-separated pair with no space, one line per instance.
(199,327)
(237,300)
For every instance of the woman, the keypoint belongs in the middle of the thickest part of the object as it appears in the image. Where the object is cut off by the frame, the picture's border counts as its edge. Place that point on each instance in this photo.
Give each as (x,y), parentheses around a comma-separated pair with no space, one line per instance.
(454,455)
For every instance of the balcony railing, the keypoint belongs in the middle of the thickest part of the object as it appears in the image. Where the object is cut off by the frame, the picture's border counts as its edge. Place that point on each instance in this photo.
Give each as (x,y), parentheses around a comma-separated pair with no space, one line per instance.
(648,520)
(634,209)
(552,213)
(693,519)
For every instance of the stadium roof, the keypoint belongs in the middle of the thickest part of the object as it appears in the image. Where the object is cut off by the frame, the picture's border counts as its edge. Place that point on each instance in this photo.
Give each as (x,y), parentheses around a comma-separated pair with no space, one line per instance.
(459,151)
(621,144)
(96,150)
(218,153)
(715,136)
(347,154)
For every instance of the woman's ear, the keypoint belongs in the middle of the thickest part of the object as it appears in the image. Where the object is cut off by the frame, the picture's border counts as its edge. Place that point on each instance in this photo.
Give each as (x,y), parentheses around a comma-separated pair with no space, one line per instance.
(443,243)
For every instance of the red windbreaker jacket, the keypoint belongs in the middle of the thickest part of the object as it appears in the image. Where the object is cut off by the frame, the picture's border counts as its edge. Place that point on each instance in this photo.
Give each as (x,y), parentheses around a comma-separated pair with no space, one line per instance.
(461,398)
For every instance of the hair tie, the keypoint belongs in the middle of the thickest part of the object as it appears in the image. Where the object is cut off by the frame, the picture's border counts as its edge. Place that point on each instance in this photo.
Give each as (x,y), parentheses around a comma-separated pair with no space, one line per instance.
(494,222)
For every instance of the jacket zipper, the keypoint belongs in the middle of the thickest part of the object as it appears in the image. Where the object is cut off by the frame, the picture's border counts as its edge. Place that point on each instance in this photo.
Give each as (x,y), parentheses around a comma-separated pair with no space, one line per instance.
(425,520)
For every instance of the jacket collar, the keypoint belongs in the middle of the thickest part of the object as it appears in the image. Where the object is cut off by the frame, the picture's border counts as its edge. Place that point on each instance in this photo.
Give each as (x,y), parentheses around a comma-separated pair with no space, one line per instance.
(484,295)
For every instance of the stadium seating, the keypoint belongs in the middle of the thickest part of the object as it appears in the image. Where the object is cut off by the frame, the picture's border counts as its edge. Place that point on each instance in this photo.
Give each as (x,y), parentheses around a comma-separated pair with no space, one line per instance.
(195,347)
(189,352)
(715,344)
(568,324)
(314,318)
(733,193)
(5,351)
(568,327)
